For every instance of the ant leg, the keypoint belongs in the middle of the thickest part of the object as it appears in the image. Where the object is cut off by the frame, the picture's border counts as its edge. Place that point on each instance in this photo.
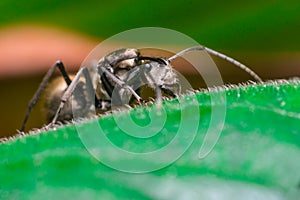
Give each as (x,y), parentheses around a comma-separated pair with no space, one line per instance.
(103,71)
(41,88)
(223,56)
(100,104)
(67,94)
(169,92)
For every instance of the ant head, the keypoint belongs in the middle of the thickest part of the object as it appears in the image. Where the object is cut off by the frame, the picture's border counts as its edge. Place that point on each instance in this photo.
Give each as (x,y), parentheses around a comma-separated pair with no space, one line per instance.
(161,73)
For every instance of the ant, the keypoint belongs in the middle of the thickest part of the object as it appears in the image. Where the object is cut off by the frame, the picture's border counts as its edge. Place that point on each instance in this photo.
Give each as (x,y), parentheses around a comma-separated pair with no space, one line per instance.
(115,80)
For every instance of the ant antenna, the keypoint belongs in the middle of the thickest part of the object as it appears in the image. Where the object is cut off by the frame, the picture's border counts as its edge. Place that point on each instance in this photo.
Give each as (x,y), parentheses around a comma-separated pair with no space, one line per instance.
(215,53)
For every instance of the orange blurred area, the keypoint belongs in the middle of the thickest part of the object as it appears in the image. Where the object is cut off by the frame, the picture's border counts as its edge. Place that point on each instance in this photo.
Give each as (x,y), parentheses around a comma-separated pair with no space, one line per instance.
(29,49)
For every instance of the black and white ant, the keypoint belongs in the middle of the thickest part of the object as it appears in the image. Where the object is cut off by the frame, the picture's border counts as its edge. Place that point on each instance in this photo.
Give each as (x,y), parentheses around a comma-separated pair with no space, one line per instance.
(115,80)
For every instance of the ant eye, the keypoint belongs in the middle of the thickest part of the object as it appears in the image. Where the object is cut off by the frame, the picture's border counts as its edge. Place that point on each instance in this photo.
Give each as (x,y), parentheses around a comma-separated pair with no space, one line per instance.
(148,66)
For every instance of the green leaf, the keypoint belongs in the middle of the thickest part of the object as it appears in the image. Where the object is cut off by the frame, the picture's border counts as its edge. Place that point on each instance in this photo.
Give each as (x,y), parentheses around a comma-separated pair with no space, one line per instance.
(255,156)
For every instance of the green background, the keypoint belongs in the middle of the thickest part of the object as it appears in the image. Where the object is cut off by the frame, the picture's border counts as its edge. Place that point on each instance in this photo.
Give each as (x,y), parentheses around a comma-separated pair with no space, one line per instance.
(238,25)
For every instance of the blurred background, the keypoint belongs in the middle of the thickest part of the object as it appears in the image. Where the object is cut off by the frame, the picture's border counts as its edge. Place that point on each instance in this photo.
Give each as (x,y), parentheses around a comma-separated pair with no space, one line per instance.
(34,34)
